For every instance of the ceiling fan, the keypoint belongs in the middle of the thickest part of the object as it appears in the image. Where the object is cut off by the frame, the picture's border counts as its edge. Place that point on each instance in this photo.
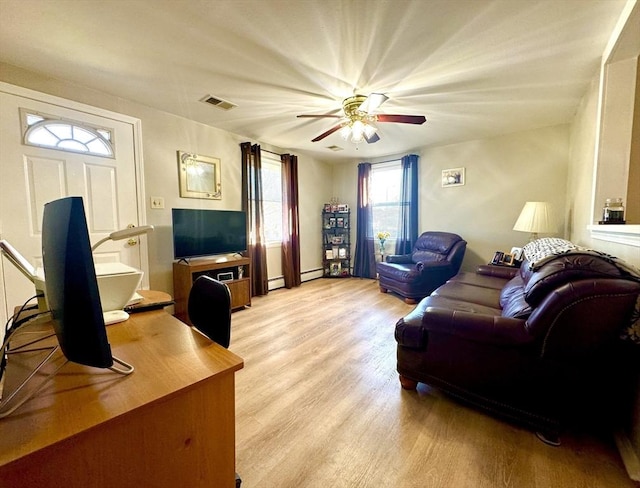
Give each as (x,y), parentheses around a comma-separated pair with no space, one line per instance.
(359,118)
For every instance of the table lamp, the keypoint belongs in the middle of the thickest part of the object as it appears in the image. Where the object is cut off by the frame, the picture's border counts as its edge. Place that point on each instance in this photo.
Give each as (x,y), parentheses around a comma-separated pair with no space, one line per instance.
(124,234)
(117,287)
(535,218)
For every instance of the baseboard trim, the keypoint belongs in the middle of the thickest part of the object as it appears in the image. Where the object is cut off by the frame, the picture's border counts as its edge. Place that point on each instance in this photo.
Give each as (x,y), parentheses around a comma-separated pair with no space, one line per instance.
(312,274)
(278,281)
(628,454)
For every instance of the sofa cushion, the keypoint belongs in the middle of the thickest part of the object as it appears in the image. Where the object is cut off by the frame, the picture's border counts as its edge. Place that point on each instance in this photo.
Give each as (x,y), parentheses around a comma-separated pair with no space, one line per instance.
(564,269)
(464,292)
(436,242)
(479,280)
(426,256)
(400,272)
(415,316)
(513,287)
(512,299)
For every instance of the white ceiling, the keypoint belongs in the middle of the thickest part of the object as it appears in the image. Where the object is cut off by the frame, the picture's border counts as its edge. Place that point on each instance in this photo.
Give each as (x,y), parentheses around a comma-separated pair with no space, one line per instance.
(474,68)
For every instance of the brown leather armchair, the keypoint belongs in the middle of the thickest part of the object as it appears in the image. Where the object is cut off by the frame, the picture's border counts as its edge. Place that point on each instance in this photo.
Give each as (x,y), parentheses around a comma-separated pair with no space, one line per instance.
(538,345)
(435,258)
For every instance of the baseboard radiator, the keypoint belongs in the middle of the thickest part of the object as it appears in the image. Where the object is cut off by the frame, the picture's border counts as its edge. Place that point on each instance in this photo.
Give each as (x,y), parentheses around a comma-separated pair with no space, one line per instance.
(278,281)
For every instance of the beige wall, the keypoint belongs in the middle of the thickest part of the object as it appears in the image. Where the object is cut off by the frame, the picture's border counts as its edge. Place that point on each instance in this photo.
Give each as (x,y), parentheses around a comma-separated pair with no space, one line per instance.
(632,213)
(581,181)
(163,135)
(615,163)
(579,201)
(502,173)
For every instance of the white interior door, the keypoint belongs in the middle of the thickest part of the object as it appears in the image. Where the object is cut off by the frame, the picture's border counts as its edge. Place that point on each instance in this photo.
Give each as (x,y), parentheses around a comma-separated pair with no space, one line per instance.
(32,176)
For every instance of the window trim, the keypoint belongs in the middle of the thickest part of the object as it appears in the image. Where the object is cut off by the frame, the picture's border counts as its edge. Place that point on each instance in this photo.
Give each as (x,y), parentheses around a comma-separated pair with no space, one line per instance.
(28,129)
(378,167)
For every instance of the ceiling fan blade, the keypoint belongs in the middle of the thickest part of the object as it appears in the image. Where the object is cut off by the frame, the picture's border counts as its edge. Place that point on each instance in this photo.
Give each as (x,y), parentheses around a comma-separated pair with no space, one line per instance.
(319,116)
(372,102)
(403,119)
(374,138)
(327,133)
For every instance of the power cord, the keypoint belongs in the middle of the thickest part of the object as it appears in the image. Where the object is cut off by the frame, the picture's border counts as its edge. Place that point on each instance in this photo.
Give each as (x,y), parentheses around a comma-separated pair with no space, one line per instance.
(13,324)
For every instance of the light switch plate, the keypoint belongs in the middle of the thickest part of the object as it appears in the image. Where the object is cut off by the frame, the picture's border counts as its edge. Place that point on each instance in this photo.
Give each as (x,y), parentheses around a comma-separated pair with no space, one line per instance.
(157,202)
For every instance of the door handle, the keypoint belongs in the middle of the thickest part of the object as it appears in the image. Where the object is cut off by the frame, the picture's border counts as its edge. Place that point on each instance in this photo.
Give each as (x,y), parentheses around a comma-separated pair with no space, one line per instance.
(133,241)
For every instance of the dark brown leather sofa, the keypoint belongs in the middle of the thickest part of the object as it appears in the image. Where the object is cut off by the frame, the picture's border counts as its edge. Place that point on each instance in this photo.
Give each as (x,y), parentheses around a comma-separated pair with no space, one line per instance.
(539,345)
(435,258)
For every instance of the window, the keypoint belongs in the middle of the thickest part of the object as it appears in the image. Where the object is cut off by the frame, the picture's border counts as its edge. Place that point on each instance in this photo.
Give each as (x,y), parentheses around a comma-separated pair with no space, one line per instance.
(44,131)
(386,183)
(272,198)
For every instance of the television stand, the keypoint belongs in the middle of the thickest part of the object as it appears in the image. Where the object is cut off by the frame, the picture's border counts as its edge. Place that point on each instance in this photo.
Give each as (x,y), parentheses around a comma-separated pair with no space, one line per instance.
(185,273)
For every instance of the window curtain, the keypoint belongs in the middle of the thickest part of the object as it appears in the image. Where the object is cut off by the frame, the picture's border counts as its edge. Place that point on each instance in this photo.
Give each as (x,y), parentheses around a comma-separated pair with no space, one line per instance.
(290,222)
(364,263)
(408,223)
(252,205)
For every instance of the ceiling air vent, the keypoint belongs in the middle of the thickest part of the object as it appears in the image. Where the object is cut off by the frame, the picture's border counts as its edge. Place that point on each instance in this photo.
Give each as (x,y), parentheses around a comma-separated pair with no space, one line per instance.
(335,148)
(218,102)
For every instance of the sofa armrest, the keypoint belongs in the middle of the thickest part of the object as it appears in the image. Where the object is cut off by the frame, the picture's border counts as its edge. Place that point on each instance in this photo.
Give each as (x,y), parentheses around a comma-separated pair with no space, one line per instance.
(410,334)
(489,329)
(497,271)
(433,265)
(399,258)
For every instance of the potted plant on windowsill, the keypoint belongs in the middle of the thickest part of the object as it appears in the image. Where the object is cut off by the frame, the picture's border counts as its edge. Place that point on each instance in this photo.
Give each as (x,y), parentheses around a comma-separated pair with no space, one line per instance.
(382,237)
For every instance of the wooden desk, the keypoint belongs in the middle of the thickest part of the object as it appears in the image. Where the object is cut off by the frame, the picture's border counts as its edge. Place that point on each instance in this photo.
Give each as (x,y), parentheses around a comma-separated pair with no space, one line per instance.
(169,423)
(151,300)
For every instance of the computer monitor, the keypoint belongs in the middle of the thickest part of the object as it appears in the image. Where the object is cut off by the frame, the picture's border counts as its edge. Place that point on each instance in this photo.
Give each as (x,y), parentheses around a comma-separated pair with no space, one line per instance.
(73,297)
(71,284)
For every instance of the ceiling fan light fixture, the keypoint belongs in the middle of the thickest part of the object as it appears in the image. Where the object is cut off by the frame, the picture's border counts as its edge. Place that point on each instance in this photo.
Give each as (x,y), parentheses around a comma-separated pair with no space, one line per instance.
(369,130)
(359,120)
(345,132)
(357,132)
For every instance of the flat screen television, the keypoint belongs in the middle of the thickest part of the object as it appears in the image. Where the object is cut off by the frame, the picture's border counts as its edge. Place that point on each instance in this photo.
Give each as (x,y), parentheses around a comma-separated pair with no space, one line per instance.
(198,232)
(71,284)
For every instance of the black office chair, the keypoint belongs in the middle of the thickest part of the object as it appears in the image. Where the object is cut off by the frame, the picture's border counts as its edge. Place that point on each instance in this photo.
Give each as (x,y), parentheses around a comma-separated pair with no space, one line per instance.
(209,309)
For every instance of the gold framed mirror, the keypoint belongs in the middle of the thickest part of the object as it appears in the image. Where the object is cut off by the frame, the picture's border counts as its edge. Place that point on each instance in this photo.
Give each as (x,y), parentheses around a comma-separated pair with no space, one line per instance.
(199,176)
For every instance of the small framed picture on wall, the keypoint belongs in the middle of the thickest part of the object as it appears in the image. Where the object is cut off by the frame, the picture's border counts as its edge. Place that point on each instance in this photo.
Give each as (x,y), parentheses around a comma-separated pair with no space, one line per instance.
(452,177)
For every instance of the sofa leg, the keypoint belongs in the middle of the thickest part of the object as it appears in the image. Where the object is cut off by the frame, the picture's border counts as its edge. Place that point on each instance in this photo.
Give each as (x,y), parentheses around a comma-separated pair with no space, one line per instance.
(383,290)
(408,384)
(410,301)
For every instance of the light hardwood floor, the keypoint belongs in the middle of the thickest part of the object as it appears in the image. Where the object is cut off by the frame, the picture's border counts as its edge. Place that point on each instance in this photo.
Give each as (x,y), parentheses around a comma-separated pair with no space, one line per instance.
(319,405)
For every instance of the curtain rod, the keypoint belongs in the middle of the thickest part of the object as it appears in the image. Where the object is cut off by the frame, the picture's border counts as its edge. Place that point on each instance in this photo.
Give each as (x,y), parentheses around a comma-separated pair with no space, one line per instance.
(392,160)
(385,162)
(277,154)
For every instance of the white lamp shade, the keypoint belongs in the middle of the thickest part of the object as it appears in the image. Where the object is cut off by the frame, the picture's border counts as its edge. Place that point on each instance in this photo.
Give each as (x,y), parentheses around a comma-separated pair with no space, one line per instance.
(535,218)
